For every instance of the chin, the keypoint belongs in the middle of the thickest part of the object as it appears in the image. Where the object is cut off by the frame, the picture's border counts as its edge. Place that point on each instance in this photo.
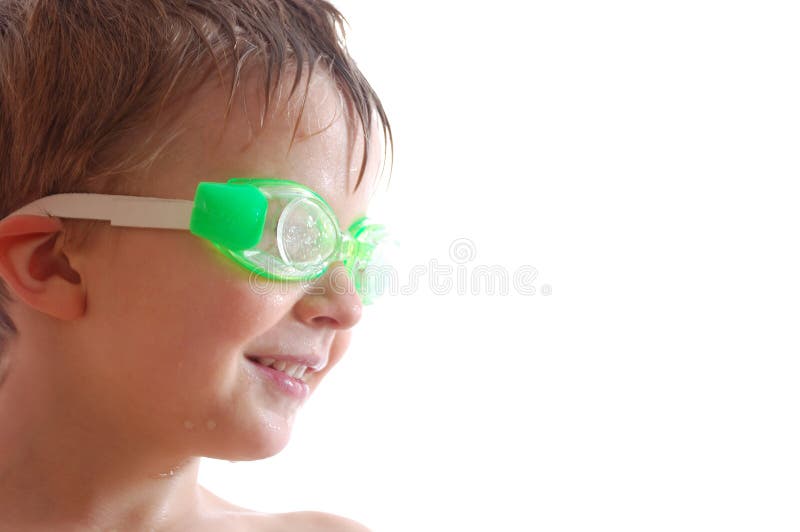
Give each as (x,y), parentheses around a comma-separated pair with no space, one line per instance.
(267,439)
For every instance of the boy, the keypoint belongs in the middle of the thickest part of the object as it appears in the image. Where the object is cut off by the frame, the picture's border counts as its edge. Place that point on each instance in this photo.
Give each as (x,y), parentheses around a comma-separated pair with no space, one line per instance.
(132,348)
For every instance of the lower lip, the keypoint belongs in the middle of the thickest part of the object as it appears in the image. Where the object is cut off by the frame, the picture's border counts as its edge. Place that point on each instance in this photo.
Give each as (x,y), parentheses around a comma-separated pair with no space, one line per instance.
(289,385)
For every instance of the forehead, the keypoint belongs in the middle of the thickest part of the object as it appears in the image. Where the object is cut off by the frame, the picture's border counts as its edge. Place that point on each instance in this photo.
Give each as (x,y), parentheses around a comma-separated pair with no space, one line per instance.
(311,137)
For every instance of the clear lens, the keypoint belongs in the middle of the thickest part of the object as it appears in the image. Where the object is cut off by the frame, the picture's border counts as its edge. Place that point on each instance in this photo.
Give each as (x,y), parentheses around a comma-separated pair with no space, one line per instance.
(300,234)
(306,235)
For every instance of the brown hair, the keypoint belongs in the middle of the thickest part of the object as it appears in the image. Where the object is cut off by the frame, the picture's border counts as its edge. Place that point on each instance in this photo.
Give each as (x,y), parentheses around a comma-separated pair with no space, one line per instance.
(81,81)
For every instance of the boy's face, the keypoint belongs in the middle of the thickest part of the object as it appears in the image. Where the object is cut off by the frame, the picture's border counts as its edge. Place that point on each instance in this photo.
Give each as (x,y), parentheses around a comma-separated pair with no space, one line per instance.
(161,351)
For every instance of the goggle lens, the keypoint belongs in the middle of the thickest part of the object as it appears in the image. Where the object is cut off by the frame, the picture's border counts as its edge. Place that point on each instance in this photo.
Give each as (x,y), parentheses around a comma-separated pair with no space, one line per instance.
(306,236)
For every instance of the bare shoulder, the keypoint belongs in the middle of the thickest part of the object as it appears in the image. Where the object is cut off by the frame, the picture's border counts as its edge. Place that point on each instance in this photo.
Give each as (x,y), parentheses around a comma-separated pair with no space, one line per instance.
(317,522)
(222,514)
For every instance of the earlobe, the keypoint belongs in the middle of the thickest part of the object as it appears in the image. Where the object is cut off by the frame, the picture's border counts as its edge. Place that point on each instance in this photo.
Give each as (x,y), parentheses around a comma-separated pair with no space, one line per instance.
(35,268)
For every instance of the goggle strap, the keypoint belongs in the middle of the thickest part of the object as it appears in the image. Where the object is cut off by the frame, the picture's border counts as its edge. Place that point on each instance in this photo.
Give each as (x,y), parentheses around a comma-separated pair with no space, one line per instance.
(120,210)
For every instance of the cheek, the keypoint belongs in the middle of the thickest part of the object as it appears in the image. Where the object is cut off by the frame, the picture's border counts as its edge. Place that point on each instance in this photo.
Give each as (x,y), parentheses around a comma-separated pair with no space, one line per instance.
(167,301)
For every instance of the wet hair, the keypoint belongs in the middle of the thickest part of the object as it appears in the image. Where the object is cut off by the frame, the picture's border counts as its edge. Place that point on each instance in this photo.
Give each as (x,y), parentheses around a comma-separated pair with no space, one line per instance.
(89,89)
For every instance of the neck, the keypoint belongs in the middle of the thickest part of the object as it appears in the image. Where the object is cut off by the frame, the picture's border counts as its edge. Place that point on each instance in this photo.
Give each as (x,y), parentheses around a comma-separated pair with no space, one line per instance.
(60,468)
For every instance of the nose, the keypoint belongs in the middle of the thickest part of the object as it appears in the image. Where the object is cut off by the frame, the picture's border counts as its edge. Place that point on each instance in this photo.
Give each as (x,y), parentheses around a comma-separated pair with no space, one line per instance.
(330,301)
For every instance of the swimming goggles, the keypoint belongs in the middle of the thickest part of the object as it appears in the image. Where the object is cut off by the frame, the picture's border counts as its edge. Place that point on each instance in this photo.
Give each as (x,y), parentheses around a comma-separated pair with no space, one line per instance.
(277,229)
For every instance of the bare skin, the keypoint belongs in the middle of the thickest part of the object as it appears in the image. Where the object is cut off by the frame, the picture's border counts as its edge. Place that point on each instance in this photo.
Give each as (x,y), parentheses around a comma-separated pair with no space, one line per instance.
(130,362)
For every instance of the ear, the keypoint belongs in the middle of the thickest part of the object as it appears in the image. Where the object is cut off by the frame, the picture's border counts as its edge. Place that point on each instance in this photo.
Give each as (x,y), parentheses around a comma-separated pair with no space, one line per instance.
(35,268)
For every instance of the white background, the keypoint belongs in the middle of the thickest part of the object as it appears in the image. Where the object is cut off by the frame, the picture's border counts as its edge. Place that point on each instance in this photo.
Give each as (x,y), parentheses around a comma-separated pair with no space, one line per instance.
(643,158)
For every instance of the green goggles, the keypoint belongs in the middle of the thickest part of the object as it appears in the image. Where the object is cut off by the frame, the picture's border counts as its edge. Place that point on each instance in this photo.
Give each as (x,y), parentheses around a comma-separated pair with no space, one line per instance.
(277,229)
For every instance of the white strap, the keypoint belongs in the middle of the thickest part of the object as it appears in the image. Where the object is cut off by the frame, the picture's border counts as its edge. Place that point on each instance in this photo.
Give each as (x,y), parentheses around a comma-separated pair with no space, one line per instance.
(125,211)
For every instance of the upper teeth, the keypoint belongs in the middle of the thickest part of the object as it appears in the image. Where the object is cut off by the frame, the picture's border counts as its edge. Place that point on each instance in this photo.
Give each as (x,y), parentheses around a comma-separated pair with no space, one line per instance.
(293,370)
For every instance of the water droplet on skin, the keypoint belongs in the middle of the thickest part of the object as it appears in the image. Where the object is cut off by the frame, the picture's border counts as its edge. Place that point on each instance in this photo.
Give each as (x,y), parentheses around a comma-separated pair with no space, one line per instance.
(172,470)
(273,426)
(211,424)
(188,424)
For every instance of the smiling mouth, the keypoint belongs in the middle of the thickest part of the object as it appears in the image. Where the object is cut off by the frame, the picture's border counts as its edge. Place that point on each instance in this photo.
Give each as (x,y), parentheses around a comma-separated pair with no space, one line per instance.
(290,368)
